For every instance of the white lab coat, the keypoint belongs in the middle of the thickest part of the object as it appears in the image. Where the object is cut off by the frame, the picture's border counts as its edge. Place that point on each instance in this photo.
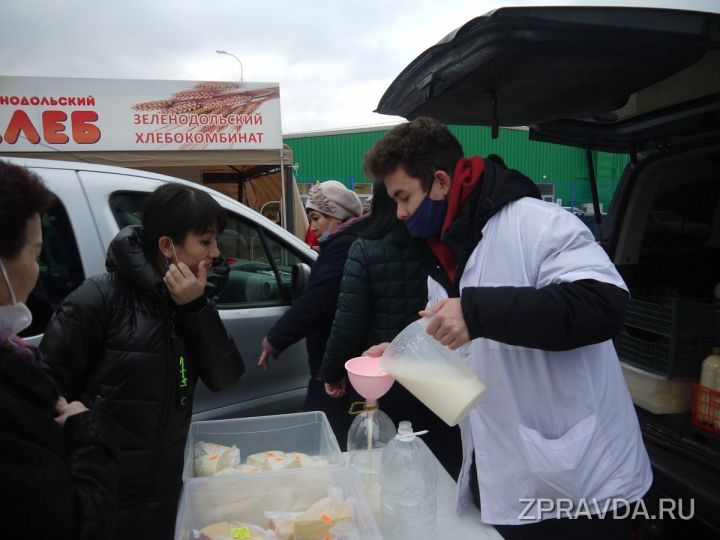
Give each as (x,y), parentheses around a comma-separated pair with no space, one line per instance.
(551,424)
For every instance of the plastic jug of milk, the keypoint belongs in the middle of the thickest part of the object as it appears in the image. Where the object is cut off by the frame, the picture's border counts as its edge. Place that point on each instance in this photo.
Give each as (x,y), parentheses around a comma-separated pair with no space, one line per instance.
(432,372)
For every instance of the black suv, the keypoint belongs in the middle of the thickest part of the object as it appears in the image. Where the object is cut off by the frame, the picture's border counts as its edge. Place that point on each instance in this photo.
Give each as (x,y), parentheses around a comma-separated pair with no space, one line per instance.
(635,80)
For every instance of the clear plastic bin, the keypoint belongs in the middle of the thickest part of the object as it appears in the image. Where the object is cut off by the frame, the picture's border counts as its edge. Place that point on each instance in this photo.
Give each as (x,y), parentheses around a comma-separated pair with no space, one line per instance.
(246,498)
(657,394)
(307,432)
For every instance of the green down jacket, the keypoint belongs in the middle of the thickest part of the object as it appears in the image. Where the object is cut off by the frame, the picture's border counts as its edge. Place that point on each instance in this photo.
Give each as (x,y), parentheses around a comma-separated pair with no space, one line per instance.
(384,285)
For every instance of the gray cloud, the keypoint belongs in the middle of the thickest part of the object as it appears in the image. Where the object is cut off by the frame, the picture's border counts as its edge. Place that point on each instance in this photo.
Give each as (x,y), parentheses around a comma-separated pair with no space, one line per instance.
(333,59)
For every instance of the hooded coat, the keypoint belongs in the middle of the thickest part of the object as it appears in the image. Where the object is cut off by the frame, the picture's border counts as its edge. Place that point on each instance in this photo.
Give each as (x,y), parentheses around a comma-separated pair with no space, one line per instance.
(119,340)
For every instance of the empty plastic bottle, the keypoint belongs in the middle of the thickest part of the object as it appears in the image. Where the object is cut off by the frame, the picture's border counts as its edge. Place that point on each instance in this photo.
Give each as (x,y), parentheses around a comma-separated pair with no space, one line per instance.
(409,488)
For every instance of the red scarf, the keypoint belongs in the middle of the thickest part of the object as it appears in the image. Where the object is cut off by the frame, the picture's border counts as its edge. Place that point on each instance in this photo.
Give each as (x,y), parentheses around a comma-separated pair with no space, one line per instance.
(468,172)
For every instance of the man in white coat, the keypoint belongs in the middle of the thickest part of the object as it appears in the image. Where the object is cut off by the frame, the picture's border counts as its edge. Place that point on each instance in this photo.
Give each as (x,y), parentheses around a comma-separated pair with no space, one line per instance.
(529,299)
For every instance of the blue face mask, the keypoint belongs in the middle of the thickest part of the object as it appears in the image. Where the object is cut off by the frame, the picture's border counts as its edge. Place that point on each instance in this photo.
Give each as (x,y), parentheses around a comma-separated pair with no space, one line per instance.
(324,236)
(427,221)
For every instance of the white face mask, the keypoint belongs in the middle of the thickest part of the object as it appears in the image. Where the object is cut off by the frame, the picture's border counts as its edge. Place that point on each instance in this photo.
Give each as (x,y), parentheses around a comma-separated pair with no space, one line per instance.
(16,317)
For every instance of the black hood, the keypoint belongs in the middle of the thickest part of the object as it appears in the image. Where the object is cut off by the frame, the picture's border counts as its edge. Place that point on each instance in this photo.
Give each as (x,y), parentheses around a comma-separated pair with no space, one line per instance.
(497,187)
(126,257)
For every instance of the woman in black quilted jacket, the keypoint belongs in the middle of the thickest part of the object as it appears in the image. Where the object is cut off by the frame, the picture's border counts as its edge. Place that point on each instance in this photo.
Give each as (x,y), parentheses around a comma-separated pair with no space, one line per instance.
(58,465)
(136,340)
(384,286)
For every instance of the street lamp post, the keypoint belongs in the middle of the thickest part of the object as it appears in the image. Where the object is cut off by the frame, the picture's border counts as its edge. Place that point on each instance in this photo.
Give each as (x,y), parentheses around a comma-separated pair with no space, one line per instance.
(236,58)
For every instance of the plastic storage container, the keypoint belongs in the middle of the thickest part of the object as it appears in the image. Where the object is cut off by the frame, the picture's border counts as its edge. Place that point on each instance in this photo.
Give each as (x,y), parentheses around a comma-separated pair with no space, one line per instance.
(663,311)
(706,408)
(667,334)
(669,356)
(307,432)
(247,498)
(656,393)
(409,488)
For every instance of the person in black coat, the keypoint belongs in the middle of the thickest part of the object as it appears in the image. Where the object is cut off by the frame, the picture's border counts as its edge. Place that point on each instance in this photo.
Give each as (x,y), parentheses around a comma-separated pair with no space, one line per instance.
(383,288)
(335,214)
(58,466)
(136,339)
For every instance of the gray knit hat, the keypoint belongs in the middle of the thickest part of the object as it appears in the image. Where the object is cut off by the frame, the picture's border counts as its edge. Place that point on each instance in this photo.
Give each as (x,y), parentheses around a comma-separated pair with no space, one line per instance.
(335,200)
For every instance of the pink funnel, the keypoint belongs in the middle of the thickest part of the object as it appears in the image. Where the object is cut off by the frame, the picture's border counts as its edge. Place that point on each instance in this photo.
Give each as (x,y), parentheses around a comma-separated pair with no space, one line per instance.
(367,377)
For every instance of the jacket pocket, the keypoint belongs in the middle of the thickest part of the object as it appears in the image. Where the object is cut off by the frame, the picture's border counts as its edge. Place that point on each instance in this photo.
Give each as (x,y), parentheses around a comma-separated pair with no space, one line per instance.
(555,464)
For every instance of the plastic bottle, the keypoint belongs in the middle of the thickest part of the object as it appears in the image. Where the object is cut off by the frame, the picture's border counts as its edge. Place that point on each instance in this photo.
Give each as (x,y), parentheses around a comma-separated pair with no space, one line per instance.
(709,379)
(409,488)
(369,433)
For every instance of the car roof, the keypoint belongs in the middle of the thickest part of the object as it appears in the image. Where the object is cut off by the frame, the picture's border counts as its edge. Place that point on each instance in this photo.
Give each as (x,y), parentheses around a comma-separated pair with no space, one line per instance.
(140,174)
(609,78)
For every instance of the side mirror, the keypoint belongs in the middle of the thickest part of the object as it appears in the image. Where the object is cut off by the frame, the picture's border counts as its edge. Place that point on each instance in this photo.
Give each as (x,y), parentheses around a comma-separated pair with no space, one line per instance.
(300,277)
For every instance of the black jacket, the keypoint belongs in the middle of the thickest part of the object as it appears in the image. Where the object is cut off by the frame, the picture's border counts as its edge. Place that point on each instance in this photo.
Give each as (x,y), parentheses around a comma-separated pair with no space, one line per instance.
(57,483)
(119,338)
(311,315)
(384,285)
(557,317)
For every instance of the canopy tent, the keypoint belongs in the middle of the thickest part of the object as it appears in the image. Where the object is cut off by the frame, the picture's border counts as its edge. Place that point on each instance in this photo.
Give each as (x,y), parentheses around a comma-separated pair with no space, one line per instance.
(224,134)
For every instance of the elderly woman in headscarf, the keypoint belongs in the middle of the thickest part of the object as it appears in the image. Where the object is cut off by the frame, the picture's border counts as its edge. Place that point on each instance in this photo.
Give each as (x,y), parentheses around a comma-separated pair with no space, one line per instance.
(336,218)
(58,465)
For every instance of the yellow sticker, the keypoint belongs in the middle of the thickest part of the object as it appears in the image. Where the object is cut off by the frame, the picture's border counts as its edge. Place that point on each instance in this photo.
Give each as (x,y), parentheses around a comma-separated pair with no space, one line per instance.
(241,532)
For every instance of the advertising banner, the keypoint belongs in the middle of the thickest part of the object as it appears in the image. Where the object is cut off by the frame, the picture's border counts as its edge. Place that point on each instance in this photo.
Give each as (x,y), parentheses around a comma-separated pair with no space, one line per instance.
(38,114)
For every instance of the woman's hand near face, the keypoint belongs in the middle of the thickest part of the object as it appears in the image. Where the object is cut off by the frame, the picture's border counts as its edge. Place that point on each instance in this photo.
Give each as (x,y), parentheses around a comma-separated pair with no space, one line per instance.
(65,410)
(183,285)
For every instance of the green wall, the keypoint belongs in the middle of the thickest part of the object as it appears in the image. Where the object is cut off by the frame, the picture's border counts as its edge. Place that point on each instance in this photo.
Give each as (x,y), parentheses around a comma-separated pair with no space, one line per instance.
(339,156)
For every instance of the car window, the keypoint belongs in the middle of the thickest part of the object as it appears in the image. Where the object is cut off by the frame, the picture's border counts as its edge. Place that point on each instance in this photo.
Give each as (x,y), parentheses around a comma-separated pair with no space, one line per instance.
(260,264)
(60,268)
(681,217)
(126,207)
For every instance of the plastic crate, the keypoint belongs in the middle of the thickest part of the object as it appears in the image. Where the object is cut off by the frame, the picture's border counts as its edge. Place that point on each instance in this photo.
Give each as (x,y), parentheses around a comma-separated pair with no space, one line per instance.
(667,356)
(706,408)
(307,432)
(664,312)
(246,498)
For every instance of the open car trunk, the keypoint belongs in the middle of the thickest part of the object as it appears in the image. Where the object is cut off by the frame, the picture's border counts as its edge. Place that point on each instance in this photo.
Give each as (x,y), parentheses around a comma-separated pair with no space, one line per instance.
(664,236)
(644,82)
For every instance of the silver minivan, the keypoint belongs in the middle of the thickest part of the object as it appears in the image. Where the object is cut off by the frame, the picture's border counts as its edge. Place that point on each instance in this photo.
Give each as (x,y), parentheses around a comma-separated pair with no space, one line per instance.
(268,266)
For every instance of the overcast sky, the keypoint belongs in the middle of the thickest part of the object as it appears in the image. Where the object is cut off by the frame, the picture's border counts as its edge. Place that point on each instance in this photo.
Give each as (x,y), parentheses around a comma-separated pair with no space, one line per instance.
(333,59)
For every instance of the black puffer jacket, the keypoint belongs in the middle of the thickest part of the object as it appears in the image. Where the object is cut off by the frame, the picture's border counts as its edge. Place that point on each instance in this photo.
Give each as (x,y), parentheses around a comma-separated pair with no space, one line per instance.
(57,483)
(120,338)
(384,285)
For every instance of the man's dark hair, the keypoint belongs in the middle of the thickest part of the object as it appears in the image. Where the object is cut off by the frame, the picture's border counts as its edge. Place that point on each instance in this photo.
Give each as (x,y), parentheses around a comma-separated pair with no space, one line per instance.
(174,210)
(422,147)
(22,195)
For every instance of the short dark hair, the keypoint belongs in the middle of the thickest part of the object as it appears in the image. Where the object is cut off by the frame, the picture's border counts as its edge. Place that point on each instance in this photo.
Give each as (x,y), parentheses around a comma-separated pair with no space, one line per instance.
(422,147)
(22,195)
(176,209)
